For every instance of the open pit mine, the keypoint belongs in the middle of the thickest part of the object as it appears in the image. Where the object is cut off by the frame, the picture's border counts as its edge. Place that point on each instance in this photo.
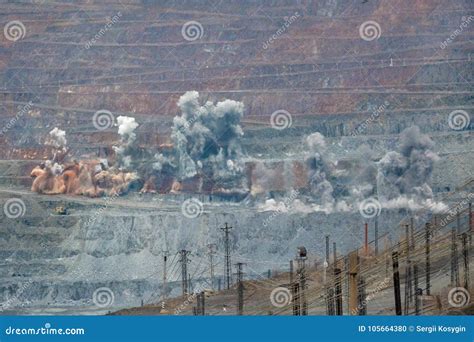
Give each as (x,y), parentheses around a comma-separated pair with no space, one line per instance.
(272,157)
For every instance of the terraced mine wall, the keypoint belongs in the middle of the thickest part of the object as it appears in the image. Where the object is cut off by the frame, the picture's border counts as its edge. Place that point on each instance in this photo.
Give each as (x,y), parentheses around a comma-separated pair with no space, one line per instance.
(65,258)
(320,67)
(320,71)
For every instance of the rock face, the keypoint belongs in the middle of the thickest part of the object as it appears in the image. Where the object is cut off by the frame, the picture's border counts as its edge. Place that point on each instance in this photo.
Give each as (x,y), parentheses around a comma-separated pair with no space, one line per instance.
(308,58)
(62,260)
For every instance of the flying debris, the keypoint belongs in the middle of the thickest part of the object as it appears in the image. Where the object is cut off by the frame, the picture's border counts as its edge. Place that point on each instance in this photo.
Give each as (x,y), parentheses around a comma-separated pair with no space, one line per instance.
(205,155)
(206,152)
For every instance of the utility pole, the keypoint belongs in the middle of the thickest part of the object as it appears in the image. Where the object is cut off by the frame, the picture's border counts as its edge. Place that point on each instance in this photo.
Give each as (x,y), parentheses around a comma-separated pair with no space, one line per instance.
(470,223)
(240,289)
(396,284)
(338,290)
(200,302)
(164,290)
(418,291)
(428,260)
(327,249)
(227,264)
(454,259)
(361,297)
(376,236)
(302,256)
(353,270)
(203,304)
(295,291)
(326,261)
(408,288)
(329,290)
(465,254)
(184,271)
(291,272)
(330,301)
(458,222)
(366,240)
(212,250)
(387,246)
(337,282)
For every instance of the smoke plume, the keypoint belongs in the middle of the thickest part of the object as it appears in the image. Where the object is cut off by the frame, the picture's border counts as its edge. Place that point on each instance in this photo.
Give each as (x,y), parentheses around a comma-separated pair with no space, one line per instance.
(57,138)
(407,171)
(319,168)
(206,139)
(125,151)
